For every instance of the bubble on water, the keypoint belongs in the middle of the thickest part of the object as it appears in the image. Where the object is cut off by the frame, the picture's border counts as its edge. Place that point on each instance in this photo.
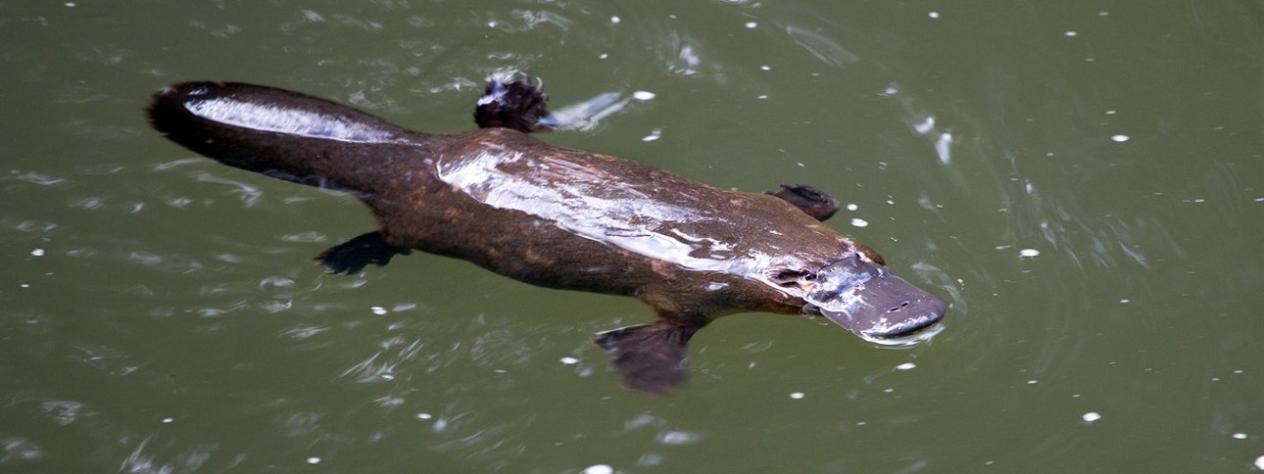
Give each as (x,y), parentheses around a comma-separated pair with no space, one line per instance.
(762,96)
(313,460)
(1120,138)
(766,67)
(852,207)
(603,56)
(678,437)
(1125,301)
(424,416)
(1091,417)
(1239,436)
(168,420)
(933,14)
(797,395)
(906,366)
(650,460)
(569,360)
(858,222)
(750,25)
(925,126)
(1070,33)
(1103,13)
(943,147)
(643,95)
(1028,253)
(598,469)
(615,20)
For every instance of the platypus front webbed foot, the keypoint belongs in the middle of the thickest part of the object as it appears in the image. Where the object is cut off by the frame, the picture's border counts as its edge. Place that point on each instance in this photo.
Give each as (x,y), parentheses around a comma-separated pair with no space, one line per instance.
(353,255)
(517,105)
(814,202)
(651,357)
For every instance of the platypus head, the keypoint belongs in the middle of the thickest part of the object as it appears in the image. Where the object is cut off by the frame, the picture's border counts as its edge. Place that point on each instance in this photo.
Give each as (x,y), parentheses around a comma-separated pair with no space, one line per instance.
(858,293)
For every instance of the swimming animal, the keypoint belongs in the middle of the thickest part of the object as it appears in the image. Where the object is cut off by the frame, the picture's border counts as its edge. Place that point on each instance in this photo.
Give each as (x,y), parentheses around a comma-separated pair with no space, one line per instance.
(557,217)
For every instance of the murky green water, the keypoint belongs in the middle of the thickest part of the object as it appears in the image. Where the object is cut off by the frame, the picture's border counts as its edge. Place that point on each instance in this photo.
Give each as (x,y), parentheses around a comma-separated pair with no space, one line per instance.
(1084,182)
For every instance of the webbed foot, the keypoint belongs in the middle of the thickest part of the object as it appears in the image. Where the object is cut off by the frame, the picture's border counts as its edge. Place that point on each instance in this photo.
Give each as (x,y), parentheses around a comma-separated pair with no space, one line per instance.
(816,203)
(517,105)
(353,255)
(651,357)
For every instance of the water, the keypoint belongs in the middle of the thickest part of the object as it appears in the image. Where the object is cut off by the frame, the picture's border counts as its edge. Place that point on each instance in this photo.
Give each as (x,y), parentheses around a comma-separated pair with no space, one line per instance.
(1083,182)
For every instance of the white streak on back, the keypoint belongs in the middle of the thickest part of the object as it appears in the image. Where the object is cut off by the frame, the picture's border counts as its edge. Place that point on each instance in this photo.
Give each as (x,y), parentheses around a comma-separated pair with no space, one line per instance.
(288,121)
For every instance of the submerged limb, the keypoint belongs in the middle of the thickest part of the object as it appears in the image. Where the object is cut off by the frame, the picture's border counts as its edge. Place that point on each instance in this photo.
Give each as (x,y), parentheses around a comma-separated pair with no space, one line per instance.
(816,203)
(650,357)
(353,255)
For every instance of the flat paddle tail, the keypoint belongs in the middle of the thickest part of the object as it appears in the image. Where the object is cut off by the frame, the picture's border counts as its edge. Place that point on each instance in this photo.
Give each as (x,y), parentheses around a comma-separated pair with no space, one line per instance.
(285,134)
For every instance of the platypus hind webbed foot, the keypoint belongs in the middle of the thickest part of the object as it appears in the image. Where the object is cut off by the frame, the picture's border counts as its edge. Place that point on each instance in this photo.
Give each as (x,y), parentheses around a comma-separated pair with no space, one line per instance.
(651,357)
(353,255)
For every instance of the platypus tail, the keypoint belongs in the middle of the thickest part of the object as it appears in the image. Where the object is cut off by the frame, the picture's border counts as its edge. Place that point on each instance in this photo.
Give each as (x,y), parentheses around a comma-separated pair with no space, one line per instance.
(285,134)
(518,105)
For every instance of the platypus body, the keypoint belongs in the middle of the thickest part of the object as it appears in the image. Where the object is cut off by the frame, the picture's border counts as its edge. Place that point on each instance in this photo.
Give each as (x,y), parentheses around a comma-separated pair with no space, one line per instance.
(557,217)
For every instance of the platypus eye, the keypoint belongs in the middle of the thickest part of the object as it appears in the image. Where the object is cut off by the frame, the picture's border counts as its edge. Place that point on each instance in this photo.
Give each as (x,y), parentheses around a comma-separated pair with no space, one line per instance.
(791,277)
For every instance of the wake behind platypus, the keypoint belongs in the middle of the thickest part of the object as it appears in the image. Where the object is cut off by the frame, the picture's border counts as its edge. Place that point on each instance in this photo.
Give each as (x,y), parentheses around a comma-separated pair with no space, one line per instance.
(557,217)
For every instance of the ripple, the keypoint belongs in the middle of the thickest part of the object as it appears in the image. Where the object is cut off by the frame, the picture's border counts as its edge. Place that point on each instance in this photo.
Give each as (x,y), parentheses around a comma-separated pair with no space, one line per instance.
(17,448)
(305,237)
(41,179)
(64,412)
(678,437)
(303,332)
(823,48)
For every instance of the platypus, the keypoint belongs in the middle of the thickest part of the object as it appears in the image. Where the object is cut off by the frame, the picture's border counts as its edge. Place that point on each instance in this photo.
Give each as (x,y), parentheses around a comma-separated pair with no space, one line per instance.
(558,217)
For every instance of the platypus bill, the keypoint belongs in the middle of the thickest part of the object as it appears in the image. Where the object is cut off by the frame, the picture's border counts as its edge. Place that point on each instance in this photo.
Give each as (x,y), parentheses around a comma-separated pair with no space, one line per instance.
(557,217)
